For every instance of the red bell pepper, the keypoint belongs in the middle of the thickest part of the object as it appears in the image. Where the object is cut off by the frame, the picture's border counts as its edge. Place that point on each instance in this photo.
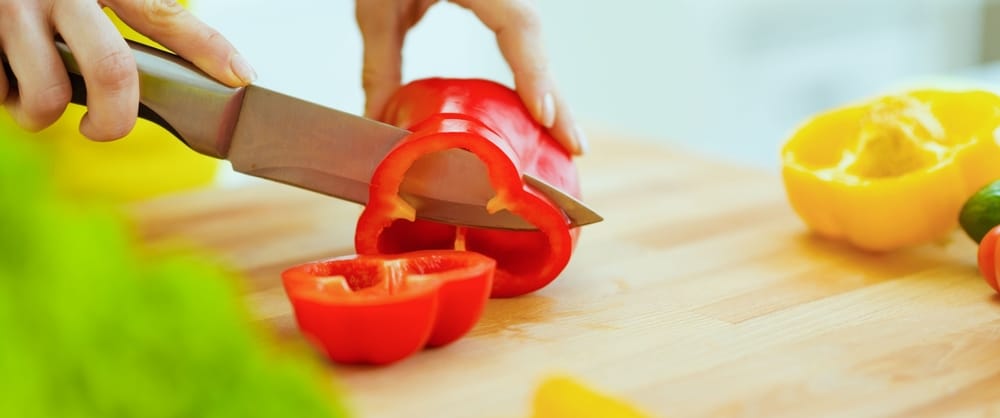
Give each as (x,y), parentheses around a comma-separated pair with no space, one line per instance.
(489,120)
(381,309)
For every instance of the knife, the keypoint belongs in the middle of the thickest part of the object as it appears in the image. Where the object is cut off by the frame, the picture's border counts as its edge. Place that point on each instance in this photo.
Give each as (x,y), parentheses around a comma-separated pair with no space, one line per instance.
(266,134)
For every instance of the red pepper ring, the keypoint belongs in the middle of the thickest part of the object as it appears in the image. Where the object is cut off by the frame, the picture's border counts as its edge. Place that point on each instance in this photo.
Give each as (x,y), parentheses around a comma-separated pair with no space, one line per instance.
(490,121)
(382,309)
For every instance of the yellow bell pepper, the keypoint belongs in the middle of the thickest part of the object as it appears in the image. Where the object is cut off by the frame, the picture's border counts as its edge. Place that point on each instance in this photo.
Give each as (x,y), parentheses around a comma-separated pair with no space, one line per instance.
(147,162)
(564,397)
(893,171)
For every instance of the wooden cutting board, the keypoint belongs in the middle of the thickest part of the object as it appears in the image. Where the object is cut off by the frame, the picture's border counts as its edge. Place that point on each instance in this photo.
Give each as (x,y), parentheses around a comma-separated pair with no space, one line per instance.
(700,295)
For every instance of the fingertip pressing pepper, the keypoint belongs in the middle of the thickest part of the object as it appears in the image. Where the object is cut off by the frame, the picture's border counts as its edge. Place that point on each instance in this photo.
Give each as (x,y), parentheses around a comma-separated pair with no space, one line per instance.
(489,120)
(894,171)
(382,309)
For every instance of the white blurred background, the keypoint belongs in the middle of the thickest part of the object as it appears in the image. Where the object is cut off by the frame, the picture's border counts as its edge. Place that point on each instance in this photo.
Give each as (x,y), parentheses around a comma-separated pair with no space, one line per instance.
(729,78)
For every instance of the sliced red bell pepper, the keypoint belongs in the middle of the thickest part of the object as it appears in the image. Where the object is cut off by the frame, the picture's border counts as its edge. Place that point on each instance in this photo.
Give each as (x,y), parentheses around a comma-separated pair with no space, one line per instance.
(382,309)
(489,120)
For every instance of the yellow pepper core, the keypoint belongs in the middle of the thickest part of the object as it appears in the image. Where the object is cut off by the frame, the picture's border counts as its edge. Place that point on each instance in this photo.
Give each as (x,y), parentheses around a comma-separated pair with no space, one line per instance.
(894,171)
(898,136)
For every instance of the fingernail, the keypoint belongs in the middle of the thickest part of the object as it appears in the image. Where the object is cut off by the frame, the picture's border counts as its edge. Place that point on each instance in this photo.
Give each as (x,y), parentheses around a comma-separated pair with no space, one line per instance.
(242,69)
(548,110)
(581,140)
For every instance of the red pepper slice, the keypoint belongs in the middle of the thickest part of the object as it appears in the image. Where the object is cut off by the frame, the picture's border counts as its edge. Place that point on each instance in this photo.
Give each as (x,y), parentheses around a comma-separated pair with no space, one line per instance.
(382,309)
(489,120)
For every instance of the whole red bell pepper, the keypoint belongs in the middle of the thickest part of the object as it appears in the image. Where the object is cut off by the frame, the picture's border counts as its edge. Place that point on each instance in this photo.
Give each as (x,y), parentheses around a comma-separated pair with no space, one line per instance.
(489,120)
(382,309)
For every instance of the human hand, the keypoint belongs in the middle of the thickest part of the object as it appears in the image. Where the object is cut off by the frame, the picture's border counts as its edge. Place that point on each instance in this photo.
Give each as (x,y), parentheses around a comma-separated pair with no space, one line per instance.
(384,24)
(27,33)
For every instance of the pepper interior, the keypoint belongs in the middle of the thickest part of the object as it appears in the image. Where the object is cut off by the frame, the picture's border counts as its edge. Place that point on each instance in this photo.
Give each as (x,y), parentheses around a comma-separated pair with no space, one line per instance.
(381,276)
(890,138)
(898,136)
(516,252)
(352,276)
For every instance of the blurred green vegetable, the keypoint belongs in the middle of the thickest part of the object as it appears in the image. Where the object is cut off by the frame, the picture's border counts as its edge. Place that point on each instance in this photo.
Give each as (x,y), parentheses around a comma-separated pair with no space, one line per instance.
(91,327)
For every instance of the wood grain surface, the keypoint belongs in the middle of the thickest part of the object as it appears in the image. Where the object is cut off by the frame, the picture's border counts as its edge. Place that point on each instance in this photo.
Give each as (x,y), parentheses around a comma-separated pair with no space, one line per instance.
(700,295)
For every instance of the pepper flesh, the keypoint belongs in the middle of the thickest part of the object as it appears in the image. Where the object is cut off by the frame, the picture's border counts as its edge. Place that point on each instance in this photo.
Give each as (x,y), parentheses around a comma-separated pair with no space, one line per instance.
(894,171)
(490,121)
(382,309)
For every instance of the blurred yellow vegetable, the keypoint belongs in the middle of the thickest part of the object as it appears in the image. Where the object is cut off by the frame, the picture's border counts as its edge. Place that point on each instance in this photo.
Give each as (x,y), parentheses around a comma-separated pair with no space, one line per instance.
(894,171)
(565,397)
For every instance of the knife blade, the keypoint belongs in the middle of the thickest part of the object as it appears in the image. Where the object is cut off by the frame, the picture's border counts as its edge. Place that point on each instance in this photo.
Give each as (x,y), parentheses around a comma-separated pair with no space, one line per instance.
(267,134)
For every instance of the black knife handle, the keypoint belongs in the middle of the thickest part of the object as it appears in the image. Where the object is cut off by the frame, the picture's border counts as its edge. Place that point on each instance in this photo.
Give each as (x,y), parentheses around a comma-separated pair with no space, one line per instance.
(173,93)
(80,97)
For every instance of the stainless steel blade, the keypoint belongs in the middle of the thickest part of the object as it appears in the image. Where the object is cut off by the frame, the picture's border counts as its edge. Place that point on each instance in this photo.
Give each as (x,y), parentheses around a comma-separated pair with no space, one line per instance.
(310,146)
(303,144)
(577,212)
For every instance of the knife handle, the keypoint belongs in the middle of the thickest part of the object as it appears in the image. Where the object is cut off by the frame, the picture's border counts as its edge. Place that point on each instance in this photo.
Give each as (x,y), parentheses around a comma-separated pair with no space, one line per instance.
(174,94)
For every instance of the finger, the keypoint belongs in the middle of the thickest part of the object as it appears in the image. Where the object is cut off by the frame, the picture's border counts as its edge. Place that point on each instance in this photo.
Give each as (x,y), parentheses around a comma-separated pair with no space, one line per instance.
(565,129)
(518,31)
(107,66)
(43,87)
(382,35)
(173,26)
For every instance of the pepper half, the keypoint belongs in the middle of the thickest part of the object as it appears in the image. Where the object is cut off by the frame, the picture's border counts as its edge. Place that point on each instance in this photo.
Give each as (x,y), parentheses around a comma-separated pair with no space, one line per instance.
(490,121)
(382,309)
(894,171)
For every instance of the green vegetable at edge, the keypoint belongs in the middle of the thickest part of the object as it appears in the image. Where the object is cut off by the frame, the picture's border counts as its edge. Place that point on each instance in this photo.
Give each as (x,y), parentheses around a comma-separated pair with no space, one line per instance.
(981,212)
(91,327)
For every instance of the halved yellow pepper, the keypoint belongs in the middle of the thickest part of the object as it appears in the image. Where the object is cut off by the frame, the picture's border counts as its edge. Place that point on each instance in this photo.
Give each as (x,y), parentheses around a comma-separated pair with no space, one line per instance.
(893,171)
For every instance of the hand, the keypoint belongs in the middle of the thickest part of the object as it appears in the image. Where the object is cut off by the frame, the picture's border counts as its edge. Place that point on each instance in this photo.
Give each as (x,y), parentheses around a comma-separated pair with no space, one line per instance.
(27,32)
(384,23)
